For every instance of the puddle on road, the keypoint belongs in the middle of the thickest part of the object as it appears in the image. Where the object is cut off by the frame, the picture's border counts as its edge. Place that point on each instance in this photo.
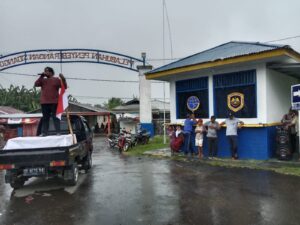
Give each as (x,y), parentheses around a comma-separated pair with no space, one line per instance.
(38,186)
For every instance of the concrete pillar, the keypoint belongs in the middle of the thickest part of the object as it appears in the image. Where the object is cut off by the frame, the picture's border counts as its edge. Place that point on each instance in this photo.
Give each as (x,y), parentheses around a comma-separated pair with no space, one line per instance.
(145,99)
(211,96)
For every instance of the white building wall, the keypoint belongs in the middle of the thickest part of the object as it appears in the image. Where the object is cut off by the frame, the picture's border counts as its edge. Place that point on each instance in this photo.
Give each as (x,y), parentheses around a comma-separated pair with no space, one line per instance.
(173,101)
(278,94)
(261,96)
(128,126)
(211,95)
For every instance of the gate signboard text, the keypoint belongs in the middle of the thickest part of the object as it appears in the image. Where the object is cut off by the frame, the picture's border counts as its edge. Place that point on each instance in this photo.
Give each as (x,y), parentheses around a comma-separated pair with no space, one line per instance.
(68,56)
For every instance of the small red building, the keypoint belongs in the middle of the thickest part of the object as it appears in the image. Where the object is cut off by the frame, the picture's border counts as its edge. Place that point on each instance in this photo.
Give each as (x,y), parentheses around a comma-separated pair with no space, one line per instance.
(17,123)
(20,124)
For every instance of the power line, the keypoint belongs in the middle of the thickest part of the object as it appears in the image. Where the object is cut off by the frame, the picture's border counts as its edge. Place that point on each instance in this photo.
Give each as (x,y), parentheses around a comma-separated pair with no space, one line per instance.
(170,59)
(82,79)
(97,97)
(283,39)
(160,59)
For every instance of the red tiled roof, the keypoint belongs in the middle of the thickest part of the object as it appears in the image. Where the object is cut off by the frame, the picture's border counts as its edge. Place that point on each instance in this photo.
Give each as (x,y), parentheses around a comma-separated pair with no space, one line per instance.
(9,110)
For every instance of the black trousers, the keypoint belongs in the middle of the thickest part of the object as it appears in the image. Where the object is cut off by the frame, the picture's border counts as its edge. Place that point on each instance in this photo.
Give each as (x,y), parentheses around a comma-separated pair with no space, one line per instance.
(49,110)
(212,146)
(293,142)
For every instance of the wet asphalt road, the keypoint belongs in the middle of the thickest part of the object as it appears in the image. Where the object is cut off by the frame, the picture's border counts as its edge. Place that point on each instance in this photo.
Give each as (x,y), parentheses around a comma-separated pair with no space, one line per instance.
(121,190)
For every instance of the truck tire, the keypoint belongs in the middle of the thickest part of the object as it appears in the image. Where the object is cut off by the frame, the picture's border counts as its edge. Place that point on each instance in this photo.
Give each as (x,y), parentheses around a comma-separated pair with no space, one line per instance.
(17,183)
(88,162)
(71,175)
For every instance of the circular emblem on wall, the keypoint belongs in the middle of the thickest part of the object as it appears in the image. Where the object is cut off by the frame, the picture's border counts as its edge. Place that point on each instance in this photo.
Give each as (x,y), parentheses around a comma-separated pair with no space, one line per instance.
(235,101)
(193,103)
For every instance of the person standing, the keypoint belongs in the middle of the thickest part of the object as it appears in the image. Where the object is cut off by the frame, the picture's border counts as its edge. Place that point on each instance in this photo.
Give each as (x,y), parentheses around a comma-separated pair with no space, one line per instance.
(176,140)
(178,131)
(50,86)
(189,122)
(232,124)
(199,130)
(294,123)
(288,122)
(212,127)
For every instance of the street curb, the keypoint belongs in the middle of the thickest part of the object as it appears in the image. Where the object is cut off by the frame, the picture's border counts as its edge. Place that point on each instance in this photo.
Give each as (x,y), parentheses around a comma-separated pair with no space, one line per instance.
(166,152)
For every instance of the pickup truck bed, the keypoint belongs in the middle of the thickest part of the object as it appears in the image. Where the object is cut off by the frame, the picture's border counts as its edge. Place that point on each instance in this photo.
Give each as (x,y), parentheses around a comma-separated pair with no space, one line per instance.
(65,162)
(39,156)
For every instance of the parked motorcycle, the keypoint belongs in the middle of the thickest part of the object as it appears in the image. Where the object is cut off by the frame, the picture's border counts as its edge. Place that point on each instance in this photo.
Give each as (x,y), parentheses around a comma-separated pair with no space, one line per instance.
(142,137)
(124,140)
(112,140)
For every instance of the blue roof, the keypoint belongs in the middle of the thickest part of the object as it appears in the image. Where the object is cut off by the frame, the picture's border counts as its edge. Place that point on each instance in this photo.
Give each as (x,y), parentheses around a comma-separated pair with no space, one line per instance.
(224,51)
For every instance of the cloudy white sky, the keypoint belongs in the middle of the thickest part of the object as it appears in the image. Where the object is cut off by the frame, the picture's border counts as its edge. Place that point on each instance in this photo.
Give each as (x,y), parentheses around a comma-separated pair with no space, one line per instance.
(131,27)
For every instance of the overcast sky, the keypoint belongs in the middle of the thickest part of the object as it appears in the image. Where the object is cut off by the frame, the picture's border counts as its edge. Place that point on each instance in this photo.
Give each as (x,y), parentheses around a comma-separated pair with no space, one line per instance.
(131,27)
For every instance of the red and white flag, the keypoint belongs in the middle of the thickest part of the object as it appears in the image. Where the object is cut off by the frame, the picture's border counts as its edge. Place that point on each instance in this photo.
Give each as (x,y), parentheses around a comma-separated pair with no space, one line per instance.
(63,102)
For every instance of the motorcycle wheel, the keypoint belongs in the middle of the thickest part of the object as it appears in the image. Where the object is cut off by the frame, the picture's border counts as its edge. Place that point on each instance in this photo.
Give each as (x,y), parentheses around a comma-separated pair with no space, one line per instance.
(111,144)
(126,147)
(145,140)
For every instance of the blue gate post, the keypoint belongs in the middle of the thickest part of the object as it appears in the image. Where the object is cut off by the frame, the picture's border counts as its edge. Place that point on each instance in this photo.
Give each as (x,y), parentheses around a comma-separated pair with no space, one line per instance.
(145,98)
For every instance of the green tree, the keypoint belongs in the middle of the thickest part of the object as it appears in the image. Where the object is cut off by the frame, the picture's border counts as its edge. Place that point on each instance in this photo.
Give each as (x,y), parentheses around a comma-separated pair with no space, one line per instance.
(98,106)
(20,98)
(112,103)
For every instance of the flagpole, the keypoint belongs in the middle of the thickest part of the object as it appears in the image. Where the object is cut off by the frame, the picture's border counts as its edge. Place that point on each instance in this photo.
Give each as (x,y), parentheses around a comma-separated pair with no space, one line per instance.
(60,62)
(60,107)
(69,125)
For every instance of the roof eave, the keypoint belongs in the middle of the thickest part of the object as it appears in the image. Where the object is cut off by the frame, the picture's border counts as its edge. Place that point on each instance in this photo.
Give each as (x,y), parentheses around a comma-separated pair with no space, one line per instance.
(221,62)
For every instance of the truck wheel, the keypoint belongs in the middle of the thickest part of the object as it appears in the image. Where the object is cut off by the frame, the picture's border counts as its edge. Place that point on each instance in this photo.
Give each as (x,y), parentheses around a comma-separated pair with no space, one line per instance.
(17,183)
(72,174)
(88,162)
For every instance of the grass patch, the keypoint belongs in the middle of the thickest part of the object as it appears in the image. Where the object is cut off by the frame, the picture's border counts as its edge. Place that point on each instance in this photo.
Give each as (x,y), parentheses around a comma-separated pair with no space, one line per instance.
(269,165)
(259,165)
(157,142)
(288,170)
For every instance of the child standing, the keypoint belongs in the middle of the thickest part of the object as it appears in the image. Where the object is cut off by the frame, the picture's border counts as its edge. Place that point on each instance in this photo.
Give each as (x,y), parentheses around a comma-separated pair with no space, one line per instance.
(199,130)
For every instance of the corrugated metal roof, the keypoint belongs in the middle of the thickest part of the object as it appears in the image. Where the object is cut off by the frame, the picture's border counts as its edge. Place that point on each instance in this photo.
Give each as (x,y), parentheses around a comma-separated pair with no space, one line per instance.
(89,107)
(156,105)
(22,115)
(228,50)
(9,110)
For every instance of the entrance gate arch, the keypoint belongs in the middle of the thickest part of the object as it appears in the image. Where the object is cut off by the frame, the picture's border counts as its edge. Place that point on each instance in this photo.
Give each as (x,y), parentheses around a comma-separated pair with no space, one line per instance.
(69,56)
(79,55)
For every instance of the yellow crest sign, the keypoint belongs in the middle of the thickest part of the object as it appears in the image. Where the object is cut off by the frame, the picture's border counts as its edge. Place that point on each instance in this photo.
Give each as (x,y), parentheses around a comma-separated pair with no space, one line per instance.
(235,101)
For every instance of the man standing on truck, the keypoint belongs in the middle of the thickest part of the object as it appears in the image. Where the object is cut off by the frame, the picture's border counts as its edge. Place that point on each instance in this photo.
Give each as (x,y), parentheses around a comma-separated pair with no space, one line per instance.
(49,98)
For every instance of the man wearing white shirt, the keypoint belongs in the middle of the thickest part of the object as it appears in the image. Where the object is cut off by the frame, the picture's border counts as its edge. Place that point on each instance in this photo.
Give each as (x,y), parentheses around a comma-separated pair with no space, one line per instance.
(232,124)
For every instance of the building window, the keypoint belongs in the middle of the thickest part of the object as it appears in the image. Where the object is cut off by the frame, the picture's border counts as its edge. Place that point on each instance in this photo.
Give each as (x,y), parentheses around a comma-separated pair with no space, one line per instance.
(235,92)
(194,87)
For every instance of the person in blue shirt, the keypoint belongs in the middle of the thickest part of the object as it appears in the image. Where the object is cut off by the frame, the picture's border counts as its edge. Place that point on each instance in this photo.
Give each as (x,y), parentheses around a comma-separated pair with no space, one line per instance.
(188,129)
